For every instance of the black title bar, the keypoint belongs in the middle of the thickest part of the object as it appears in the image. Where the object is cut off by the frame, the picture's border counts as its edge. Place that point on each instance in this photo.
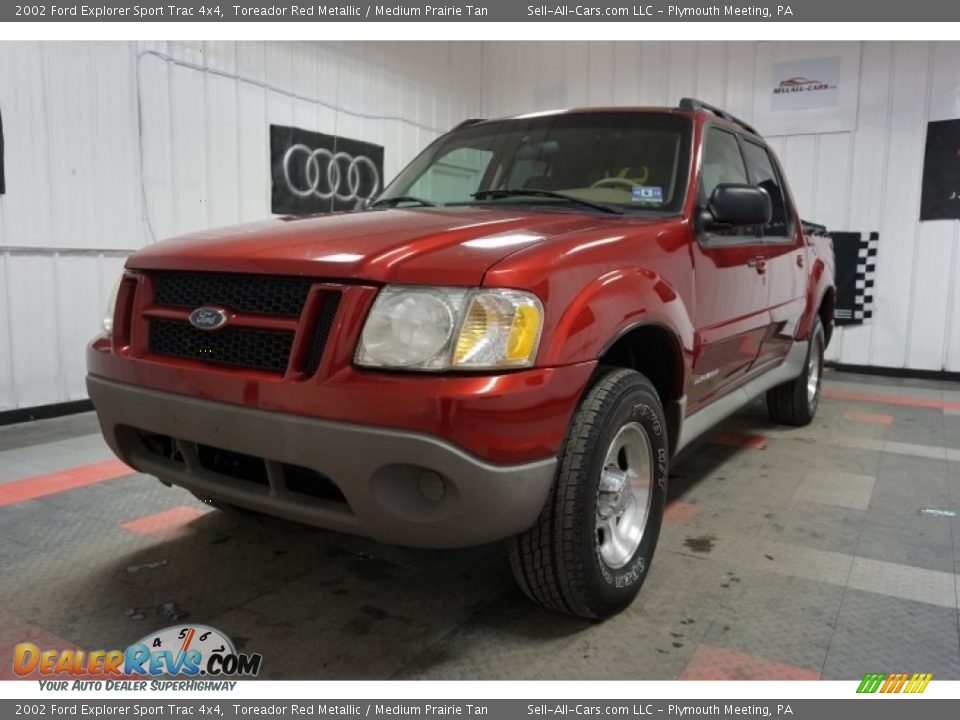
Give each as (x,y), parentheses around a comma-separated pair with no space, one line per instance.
(482,11)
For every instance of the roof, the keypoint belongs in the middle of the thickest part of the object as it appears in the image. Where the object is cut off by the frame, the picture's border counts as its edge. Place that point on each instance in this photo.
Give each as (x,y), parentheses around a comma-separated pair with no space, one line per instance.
(686,105)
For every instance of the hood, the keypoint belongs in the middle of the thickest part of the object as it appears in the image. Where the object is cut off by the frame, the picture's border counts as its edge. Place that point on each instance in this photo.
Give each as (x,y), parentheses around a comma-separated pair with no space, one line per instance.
(452,246)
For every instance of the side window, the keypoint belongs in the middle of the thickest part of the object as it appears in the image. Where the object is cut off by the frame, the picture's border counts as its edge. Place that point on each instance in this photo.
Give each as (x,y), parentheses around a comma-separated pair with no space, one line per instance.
(454,176)
(722,162)
(763,174)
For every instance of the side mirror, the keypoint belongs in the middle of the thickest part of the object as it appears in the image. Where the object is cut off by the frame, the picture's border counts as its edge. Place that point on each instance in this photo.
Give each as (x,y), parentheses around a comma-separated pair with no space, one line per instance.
(739,205)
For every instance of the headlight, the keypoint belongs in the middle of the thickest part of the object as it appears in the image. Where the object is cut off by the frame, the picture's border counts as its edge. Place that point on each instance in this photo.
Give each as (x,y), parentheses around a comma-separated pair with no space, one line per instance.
(436,328)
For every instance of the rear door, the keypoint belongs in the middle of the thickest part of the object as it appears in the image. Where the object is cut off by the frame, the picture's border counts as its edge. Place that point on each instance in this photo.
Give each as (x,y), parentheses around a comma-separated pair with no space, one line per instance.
(732,303)
(783,250)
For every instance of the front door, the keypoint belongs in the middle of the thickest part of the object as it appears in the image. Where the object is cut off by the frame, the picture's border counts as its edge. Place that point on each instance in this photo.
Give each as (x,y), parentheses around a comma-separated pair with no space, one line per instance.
(732,294)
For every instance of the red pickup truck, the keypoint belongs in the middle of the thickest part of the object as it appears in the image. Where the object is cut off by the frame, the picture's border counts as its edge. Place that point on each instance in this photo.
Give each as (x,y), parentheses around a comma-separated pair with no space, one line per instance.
(512,341)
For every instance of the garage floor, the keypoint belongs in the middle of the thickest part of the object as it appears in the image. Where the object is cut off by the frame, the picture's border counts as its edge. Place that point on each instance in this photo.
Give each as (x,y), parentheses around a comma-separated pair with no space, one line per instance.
(826,551)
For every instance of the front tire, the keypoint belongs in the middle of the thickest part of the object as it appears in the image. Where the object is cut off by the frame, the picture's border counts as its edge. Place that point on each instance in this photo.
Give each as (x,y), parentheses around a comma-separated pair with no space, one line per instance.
(591,548)
(795,402)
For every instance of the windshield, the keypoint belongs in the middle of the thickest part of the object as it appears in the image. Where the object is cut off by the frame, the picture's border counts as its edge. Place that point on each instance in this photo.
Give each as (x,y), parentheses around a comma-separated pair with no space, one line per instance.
(626,160)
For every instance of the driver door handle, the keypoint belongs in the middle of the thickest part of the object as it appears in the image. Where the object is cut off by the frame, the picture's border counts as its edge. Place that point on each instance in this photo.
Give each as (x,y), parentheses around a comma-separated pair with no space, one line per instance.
(759,264)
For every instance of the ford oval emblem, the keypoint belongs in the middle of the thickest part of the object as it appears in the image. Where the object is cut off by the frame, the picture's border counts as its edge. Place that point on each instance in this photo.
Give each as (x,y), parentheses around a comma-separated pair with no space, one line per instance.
(208,318)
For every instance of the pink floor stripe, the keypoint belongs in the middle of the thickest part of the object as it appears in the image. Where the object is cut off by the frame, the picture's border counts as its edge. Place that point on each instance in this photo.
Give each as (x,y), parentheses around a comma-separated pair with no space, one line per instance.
(165,522)
(865,417)
(739,439)
(680,513)
(890,399)
(29,488)
(715,663)
(14,630)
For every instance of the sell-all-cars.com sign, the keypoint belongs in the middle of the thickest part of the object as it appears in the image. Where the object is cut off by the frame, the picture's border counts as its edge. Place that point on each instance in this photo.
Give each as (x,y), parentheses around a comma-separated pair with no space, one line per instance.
(805,84)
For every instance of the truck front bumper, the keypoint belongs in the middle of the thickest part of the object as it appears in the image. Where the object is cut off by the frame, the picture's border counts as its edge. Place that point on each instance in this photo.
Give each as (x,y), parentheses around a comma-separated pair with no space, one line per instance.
(393,485)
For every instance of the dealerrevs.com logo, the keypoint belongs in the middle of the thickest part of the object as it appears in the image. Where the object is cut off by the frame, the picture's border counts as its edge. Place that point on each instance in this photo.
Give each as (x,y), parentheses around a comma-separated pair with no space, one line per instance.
(188,651)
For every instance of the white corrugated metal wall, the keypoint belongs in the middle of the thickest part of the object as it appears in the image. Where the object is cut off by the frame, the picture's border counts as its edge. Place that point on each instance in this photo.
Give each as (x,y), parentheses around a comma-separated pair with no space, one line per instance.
(112,145)
(865,179)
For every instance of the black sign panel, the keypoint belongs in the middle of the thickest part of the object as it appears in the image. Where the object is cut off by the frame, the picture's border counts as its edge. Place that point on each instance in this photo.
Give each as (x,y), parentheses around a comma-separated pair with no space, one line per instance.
(313,172)
(856,256)
(941,172)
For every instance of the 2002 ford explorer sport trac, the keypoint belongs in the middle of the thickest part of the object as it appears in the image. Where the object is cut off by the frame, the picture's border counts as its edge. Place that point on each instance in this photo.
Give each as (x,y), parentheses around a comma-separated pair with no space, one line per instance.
(512,341)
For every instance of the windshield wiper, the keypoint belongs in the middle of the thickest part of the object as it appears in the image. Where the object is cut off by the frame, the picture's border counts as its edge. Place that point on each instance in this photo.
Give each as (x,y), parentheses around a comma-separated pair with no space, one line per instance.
(391,201)
(532,192)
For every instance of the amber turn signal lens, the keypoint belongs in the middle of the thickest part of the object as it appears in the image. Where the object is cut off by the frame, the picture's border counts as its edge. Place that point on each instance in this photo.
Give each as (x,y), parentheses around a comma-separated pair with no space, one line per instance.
(523,333)
(501,328)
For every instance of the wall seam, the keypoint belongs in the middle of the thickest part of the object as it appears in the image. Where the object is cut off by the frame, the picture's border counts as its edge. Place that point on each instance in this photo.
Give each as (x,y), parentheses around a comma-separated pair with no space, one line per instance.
(266,115)
(174,200)
(481,112)
(139,162)
(911,296)
(57,326)
(888,120)
(9,312)
(951,296)
(207,161)
(236,108)
(4,237)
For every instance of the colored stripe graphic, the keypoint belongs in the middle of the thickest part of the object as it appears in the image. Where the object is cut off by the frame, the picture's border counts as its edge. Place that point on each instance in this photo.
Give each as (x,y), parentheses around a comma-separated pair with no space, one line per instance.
(918,683)
(894,682)
(871,682)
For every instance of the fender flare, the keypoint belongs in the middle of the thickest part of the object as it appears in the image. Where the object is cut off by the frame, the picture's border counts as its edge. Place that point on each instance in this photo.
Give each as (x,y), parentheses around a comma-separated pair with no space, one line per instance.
(819,286)
(610,307)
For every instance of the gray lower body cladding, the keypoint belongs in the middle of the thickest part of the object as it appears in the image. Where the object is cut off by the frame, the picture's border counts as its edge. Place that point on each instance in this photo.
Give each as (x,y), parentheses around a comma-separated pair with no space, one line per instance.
(396,486)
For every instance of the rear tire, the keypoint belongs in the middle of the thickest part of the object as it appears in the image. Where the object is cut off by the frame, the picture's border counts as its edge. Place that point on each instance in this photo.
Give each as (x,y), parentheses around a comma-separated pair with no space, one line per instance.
(795,402)
(590,549)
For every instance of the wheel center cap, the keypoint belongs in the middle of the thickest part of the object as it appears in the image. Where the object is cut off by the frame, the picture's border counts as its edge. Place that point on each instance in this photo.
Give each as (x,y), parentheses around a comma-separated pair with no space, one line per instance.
(612,499)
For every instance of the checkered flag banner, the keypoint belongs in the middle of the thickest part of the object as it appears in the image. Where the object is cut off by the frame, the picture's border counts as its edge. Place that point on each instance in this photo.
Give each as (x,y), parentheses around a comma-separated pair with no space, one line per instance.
(856,255)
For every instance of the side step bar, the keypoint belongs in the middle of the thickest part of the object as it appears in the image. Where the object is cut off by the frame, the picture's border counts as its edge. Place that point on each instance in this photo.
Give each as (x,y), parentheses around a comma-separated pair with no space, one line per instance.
(695,425)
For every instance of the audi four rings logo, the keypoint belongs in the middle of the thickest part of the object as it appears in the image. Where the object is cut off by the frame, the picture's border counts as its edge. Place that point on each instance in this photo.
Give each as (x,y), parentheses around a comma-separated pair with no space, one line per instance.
(314,172)
(328,175)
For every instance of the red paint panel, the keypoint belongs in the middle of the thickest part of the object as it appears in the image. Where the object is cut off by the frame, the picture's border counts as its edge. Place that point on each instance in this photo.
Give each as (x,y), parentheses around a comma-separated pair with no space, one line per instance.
(13,630)
(679,512)
(37,486)
(738,439)
(890,399)
(715,663)
(164,522)
(865,417)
